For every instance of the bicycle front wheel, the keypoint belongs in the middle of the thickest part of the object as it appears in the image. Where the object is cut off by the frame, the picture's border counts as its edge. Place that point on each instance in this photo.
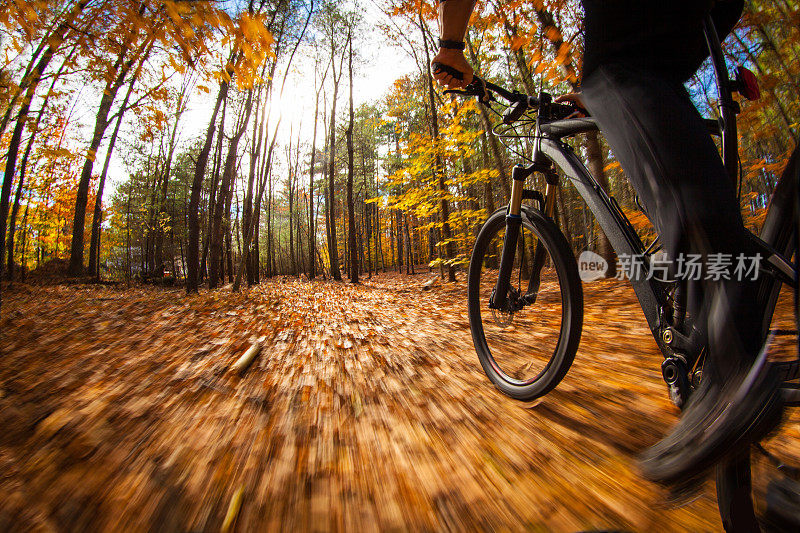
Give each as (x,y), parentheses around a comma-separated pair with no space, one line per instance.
(526,347)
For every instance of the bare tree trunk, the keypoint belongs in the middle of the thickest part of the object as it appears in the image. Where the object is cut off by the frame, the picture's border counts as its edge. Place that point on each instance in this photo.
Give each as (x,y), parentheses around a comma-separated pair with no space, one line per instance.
(94,246)
(253,227)
(409,249)
(351,215)
(212,194)
(400,238)
(312,239)
(391,238)
(380,238)
(368,237)
(159,252)
(256,259)
(101,123)
(225,192)
(12,225)
(594,157)
(192,281)
(333,247)
(128,236)
(292,263)
(23,263)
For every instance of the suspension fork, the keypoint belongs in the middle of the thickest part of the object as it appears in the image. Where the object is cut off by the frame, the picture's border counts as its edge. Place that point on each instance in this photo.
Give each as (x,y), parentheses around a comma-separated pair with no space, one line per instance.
(499,299)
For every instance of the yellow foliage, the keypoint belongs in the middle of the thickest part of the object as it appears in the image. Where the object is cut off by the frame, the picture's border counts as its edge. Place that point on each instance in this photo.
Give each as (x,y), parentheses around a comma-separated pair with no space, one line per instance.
(518,42)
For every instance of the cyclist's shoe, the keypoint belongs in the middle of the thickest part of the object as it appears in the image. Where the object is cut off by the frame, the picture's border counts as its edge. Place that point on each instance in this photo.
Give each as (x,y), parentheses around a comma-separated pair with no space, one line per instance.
(718,419)
(738,402)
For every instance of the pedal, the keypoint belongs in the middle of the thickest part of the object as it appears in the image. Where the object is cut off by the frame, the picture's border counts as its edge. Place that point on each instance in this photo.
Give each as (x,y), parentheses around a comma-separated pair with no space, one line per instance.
(791,396)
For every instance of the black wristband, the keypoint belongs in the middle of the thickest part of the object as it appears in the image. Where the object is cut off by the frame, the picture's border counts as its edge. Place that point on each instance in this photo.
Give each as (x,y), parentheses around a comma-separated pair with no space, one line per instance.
(452,45)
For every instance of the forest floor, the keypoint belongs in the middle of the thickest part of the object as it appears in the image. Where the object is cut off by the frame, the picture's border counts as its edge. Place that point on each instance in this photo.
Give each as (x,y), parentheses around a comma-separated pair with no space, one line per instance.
(366,410)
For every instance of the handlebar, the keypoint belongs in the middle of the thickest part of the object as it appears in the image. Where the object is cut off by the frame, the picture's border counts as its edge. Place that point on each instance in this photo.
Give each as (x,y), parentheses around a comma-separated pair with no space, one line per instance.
(519,103)
(478,87)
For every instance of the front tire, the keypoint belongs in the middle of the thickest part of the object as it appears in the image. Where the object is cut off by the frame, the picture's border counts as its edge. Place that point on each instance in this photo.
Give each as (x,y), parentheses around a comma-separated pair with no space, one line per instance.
(528,351)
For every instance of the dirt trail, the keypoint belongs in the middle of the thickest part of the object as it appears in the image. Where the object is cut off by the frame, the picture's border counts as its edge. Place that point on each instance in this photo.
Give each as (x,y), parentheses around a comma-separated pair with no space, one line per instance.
(366,410)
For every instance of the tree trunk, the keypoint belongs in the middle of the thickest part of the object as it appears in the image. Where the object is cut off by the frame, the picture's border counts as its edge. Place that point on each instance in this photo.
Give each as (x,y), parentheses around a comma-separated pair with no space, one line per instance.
(212,194)
(24,239)
(351,215)
(35,77)
(12,225)
(400,237)
(121,68)
(333,247)
(312,239)
(94,246)
(594,158)
(409,249)
(248,216)
(292,263)
(162,213)
(193,255)
(222,209)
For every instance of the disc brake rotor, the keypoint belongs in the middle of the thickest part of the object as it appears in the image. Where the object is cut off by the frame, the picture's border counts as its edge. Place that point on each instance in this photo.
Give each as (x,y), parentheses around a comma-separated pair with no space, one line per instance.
(502,318)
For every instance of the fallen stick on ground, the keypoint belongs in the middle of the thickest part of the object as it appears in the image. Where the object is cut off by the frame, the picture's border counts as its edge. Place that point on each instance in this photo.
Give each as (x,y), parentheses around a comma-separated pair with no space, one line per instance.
(247,358)
(233,509)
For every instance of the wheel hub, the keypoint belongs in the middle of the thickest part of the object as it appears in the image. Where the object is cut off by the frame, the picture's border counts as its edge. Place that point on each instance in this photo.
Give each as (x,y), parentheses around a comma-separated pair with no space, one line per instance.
(504,317)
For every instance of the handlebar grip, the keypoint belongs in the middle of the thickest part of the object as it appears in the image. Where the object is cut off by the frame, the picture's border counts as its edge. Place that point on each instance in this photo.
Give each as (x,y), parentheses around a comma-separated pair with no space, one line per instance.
(457,74)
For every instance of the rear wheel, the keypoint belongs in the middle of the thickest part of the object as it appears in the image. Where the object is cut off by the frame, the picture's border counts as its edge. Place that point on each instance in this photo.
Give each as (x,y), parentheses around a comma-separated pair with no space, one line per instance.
(761,486)
(526,347)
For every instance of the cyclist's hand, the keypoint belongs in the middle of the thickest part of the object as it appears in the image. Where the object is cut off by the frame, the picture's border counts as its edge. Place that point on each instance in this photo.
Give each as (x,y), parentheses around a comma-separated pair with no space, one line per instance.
(455,59)
(575,100)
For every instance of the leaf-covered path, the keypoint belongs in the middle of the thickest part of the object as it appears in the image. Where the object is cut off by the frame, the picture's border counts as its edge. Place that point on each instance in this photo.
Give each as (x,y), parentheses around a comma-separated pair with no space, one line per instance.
(366,410)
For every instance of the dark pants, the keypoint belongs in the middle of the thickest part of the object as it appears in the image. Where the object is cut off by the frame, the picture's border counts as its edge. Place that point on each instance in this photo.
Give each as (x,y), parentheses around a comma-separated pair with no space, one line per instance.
(660,139)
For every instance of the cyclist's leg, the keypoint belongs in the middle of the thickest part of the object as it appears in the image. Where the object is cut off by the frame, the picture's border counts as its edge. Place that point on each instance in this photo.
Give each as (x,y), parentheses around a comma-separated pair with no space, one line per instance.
(662,143)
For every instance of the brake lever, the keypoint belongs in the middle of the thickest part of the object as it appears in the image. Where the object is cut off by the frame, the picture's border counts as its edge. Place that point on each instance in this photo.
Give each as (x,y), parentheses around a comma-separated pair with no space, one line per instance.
(479,92)
(478,89)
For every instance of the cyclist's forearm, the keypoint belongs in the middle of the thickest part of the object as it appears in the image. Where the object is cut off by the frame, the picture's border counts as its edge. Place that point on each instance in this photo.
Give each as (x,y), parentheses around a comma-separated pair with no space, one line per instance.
(454,18)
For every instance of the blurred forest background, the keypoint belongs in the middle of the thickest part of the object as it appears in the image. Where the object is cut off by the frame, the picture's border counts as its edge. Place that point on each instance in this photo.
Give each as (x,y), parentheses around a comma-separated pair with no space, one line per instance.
(155,140)
(221,143)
